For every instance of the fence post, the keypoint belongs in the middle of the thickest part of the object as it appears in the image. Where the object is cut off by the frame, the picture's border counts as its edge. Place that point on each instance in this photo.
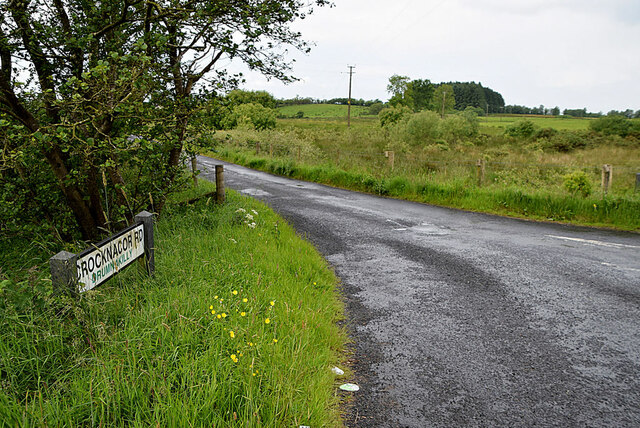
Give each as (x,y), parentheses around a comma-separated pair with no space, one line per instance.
(390,154)
(270,150)
(220,197)
(257,147)
(480,163)
(149,254)
(299,153)
(194,169)
(607,176)
(637,181)
(64,272)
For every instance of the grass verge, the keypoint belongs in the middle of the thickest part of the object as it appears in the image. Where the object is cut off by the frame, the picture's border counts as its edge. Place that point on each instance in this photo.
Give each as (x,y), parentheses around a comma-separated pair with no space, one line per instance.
(611,211)
(237,328)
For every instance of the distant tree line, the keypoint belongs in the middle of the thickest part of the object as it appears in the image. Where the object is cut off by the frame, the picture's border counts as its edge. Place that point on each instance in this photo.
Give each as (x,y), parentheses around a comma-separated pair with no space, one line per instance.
(341,101)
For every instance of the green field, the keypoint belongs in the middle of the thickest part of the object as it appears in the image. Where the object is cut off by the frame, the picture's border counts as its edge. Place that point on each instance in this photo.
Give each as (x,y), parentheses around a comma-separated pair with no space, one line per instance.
(322,110)
(555,122)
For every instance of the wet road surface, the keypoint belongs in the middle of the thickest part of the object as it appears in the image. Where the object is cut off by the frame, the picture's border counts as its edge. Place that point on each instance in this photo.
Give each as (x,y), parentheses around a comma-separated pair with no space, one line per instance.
(465,319)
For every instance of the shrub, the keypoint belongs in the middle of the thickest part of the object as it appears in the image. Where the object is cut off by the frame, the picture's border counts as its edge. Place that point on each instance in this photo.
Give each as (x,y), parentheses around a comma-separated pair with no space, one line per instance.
(521,129)
(457,127)
(567,141)
(578,182)
(422,127)
(253,116)
(612,125)
(375,108)
(393,115)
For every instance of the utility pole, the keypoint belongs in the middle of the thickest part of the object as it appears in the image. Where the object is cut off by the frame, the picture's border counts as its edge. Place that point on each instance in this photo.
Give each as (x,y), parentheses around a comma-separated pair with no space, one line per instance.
(351,67)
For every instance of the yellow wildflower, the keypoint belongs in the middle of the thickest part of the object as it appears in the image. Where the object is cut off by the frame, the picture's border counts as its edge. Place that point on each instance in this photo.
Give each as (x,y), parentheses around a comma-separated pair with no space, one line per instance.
(224,315)
(211,307)
(267,321)
(272,303)
(244,300)
(218,316)
(275,340)
(235,292)
(243,314)
(215,297)
(232,334)
(234,358)
(213,312)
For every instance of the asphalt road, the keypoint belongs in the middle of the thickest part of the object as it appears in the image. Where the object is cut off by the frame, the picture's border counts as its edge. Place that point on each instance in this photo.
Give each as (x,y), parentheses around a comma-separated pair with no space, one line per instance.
(465,319)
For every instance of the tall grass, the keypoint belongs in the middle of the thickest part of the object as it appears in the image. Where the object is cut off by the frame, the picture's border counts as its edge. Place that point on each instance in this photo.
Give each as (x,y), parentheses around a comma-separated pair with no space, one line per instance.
(521,178)
(237,328)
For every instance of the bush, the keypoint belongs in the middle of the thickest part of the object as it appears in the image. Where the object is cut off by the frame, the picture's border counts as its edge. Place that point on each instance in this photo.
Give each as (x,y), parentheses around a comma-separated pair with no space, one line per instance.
(612,125)
(578,182)
(422,127)
(375,108)
(521,129)
(253,116)
(393,115)
(567,141)
(457,127)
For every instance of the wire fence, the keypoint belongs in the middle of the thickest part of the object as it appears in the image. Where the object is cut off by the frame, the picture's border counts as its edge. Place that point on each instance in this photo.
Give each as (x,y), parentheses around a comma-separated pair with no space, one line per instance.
(623,179)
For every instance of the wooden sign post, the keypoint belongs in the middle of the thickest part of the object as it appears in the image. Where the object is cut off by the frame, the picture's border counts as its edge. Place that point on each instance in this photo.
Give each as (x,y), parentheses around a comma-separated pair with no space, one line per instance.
(95,265)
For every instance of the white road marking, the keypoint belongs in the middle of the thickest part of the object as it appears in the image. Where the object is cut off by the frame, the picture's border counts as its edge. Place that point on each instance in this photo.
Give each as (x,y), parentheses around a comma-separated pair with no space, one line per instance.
(593,242)
(619,267)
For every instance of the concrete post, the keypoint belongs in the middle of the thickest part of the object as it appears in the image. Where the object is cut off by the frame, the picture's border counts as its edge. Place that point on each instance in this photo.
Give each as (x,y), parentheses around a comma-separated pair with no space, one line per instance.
(64,272)
(637,181)
(149,256)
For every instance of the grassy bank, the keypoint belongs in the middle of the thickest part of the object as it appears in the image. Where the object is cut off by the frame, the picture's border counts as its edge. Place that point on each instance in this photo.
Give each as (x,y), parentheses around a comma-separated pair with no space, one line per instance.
(458,188)
(237,328)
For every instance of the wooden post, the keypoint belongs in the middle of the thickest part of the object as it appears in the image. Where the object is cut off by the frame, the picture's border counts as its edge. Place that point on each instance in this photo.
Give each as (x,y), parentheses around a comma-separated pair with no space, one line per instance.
(220,184)
(392,159)
(637,181)
(607,177)
(299,153)
(64,273)
(480,164)
(194,170)
(149,248)
(270,150)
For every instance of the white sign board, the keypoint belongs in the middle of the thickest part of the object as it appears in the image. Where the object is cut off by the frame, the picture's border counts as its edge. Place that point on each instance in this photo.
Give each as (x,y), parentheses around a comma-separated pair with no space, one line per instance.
(100,263)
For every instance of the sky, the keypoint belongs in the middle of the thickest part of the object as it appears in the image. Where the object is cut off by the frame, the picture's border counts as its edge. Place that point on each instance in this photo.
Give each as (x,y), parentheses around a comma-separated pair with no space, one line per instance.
(565,53)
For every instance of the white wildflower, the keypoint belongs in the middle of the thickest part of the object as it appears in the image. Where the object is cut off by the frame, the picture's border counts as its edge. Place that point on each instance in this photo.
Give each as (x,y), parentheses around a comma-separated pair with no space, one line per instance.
(233,240)
(255,212)
(248,217)
(252,225)
(241,210)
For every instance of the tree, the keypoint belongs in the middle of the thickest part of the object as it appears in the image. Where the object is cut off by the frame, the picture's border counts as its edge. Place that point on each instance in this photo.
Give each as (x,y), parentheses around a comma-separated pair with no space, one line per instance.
(443,100)
(397,87)
(104,71)
(420,92)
